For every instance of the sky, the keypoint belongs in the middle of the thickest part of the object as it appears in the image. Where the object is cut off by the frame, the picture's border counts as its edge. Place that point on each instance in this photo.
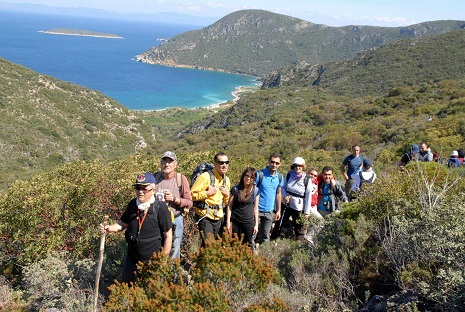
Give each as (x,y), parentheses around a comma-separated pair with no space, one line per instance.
(329,12)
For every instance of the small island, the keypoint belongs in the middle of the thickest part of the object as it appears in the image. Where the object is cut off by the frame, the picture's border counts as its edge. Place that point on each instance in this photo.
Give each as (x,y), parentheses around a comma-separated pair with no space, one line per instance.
(79,32)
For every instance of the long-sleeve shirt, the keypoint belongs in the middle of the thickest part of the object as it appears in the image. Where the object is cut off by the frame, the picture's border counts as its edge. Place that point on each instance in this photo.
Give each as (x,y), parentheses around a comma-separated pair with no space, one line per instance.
(199,193)
(295,186)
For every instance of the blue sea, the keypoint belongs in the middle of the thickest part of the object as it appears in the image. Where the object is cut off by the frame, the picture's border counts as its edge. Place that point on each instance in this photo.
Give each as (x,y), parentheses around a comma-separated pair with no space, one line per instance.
(109,65)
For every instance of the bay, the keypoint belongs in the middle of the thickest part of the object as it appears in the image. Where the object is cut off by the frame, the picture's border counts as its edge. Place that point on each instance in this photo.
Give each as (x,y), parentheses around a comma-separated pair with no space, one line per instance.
(108,65)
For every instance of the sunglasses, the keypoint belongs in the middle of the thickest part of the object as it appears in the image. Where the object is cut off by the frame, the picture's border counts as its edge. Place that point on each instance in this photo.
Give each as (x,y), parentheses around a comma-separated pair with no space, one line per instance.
(143,189)
(223,162)
(248,176)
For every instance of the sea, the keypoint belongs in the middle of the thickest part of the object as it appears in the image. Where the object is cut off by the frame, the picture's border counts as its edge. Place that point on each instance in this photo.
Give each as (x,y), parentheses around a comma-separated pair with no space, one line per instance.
(109,65)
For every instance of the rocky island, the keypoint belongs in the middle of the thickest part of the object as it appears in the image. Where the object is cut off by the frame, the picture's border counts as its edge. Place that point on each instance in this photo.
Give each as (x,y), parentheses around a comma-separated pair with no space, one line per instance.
(79,32)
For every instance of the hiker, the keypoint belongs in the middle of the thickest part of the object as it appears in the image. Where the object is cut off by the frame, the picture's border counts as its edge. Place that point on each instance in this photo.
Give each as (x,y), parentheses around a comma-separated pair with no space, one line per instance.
(242,213)
(314,178)
(454,160)
(173,188)
(353,162)
(411,155)
(366,176)
(425,153)
(210,200)
(329,196)
(296,197)
(269,181)
(146,221)
(461,154)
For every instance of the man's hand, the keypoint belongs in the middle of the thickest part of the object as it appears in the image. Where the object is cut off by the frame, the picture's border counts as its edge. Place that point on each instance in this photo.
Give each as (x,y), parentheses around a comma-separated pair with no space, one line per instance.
(277,216)
(224,190)
(211,190)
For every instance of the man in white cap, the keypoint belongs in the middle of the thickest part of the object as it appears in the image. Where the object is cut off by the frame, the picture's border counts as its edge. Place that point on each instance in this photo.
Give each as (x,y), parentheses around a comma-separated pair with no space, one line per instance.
(454,160)
(145,220)
(173,189)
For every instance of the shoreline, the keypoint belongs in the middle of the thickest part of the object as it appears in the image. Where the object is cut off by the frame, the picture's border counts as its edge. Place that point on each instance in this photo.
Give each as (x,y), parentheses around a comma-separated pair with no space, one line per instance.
(236,94)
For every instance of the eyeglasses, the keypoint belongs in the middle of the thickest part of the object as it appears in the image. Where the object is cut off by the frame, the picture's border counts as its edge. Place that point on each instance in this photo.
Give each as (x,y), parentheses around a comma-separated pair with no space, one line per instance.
(274,162)
(143,189)
(226,162)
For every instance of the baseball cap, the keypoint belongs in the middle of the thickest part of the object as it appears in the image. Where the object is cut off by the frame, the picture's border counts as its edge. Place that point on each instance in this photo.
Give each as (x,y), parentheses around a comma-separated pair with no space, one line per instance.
(145,179)
(454,153)
(367,162)
(169,154)
(298,161)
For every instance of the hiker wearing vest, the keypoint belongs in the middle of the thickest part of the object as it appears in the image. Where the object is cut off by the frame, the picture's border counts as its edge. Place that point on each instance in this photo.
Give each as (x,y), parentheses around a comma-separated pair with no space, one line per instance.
(242,213)
(211,200)
(330,195)
(353,162)
(146,221)
(269,181)
(296,198)
(173,189)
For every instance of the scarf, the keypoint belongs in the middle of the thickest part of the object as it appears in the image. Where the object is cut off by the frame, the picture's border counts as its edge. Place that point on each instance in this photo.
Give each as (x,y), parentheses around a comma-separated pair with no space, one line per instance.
(145,206)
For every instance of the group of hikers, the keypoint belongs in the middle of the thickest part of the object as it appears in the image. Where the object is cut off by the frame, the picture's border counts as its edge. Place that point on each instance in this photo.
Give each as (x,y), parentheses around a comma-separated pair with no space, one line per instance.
(421,152)
(255,209)
(154,220)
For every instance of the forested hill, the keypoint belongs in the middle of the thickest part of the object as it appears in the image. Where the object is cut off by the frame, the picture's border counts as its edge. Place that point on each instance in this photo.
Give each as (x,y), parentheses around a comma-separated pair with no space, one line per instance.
(375,72)
(257,42)
(47,122)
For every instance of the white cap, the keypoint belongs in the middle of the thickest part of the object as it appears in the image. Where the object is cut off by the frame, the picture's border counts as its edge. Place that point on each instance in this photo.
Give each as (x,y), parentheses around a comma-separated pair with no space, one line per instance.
(454,153)
(298,161)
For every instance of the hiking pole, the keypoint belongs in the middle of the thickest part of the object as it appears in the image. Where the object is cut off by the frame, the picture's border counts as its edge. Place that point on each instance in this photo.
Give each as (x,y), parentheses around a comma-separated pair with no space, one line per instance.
(99,266)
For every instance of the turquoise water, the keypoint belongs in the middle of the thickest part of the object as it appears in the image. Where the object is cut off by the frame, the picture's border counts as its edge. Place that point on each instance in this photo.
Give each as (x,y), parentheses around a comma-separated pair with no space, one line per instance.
(108,65)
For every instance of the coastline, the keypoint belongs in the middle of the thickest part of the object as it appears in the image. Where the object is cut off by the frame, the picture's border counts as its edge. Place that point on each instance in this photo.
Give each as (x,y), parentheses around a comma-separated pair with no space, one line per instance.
(236,94)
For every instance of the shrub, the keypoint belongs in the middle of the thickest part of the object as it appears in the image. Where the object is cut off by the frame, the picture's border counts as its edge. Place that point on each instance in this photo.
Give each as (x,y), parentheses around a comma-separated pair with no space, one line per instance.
(59,282)
(225,272)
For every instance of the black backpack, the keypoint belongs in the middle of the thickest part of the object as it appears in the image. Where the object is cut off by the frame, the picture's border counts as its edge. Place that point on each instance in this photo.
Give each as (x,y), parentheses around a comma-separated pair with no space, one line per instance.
(201,168)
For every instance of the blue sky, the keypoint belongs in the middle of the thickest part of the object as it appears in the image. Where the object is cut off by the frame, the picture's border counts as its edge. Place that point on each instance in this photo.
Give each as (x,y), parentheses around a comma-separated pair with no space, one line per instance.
(329,12)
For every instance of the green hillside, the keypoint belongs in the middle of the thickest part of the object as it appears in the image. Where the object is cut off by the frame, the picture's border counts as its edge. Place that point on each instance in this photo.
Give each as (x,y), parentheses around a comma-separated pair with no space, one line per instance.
(402,63)
(257,42)
(47,122)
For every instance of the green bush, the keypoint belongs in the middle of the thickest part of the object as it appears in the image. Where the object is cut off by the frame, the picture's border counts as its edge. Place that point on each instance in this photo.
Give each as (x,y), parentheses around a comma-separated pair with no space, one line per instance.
(223,276)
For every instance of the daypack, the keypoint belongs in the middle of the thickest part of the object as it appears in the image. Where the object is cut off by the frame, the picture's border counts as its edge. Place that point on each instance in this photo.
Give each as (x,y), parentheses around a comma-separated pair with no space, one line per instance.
(366,181)
(201,168)
(306,180)
(260,177)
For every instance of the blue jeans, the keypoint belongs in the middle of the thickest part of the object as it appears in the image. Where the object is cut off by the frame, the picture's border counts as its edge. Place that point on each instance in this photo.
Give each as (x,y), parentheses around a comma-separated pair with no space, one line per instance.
(177,237)
(265,221)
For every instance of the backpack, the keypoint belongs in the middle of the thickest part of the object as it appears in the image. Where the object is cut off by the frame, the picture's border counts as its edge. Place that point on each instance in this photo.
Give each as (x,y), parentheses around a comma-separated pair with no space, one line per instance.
(306,180)
(201,168)
(260,179)
(366,181)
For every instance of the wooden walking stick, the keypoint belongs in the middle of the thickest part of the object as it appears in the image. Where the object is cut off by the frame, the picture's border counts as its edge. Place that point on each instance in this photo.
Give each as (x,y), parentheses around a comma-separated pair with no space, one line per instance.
(99,266)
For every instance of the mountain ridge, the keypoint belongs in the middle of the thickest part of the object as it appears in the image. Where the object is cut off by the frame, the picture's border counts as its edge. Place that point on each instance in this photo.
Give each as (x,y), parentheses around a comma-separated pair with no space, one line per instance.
(256,42)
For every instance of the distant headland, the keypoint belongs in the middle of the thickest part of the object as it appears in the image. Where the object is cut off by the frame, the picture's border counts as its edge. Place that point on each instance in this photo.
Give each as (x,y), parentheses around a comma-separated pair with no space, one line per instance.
(79,32)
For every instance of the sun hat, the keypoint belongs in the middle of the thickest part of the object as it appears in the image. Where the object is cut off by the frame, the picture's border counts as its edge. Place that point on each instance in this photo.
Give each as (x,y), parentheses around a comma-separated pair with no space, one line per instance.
(298,161)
